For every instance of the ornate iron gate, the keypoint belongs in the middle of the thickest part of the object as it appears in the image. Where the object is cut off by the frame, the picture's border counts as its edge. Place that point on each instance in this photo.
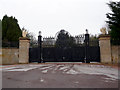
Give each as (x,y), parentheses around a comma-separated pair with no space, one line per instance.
(76,54)
(84,50)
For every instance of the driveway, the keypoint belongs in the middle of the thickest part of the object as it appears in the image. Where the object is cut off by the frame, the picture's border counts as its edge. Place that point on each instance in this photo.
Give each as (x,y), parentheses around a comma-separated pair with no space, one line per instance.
(59,76)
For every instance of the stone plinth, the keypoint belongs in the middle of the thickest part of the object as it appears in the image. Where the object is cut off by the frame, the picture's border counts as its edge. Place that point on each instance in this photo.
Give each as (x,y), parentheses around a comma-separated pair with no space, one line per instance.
(105,48)
(24,50)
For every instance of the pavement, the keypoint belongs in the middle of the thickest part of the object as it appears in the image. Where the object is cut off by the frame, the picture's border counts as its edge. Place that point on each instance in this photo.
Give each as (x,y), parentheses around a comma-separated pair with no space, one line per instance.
(59,75)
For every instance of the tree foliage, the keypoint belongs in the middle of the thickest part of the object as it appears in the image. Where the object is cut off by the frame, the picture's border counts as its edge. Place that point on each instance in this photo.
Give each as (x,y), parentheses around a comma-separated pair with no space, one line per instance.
(114,19)
(10,29)
(33,41)
(93,40)
(0,33)
(64,40)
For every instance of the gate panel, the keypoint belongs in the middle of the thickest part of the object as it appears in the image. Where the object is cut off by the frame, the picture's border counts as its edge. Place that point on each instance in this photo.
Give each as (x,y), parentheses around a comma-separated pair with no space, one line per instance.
(78,54)
(52,54)
(81,53)
(59,54)
(48,54)
(33,54)
(94,53)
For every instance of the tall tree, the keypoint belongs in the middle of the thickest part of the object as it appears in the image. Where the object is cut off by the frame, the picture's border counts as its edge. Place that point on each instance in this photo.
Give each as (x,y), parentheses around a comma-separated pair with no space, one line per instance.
(64,40)
(114,19)
(10,29)
(33,41)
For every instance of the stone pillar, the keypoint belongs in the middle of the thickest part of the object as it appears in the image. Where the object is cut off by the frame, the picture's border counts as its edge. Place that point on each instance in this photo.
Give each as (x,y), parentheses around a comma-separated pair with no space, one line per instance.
(105,48)
(24,50)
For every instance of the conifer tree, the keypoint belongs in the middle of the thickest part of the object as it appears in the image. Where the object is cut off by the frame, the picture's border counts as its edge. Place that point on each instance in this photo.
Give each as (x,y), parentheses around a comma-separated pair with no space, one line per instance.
(114,20)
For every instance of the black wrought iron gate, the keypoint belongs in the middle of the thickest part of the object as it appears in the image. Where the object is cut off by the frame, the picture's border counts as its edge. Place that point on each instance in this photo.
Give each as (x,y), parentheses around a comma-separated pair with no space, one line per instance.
(79,53)
(53,54)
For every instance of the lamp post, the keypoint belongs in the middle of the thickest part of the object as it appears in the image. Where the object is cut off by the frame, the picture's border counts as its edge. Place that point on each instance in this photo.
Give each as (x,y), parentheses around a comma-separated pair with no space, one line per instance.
(39,47)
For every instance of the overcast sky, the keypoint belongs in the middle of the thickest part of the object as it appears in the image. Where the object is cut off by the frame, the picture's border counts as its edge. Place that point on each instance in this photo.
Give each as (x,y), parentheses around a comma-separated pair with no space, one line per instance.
(50,16)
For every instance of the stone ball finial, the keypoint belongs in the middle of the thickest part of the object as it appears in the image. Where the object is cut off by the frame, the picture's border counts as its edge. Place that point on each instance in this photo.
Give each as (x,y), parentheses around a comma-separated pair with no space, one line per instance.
(24,32)
(103,30)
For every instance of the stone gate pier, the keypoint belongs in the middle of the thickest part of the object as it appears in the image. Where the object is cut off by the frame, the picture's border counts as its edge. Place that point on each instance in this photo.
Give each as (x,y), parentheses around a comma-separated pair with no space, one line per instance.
(108,53)
(105,48)
(24,44)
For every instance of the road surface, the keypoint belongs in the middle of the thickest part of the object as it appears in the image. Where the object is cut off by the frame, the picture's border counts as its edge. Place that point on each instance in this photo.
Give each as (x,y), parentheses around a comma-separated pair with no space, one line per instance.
(59,76)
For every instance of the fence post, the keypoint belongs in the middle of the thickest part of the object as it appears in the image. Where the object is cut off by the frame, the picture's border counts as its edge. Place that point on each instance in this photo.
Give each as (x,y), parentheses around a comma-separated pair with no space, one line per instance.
(87,47)
(39,47)
(105,48)
(24,44)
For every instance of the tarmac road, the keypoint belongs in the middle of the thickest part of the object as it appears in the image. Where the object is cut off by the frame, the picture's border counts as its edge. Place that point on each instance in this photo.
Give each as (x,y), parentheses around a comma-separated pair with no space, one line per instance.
(59,76)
